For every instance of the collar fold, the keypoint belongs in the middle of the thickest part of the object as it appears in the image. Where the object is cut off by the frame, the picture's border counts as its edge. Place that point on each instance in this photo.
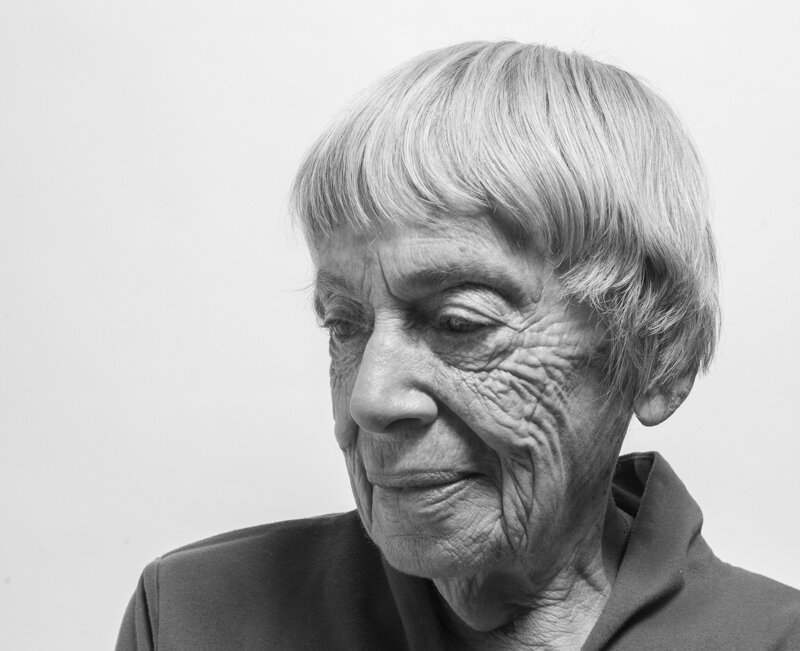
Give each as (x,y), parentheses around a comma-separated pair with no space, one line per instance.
(666,529)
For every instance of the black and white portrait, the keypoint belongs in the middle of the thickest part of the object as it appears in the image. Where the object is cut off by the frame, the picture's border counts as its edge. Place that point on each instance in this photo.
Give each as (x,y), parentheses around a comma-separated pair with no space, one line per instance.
(398,326)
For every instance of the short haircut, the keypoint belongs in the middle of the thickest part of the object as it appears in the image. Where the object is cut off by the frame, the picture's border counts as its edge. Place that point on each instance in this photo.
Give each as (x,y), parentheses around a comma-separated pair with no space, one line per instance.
(573,154)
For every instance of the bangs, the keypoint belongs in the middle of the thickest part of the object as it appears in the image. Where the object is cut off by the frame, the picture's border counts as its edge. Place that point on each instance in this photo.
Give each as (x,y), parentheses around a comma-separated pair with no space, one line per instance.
(445,136)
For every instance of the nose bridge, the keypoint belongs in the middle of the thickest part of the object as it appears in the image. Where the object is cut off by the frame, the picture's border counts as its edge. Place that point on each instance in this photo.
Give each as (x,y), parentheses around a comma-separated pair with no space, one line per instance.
(392,383)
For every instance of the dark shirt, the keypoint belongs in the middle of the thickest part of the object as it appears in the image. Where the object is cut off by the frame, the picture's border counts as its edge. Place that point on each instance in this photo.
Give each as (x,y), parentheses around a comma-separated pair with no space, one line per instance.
(320,583)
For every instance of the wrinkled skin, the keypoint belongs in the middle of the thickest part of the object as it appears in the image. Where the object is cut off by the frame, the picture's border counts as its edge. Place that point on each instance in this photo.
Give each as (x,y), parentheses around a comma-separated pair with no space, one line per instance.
(479,440)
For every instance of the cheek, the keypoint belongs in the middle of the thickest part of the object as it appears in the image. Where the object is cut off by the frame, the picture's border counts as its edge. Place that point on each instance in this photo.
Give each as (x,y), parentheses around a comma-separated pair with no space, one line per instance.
(345,359)
(360,486)
(343,371)
(473,353)
(536,408)
(519,399)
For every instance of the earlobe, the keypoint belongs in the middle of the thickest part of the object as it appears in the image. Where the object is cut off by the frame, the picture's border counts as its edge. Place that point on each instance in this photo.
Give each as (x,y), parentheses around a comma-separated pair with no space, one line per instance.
(657,404)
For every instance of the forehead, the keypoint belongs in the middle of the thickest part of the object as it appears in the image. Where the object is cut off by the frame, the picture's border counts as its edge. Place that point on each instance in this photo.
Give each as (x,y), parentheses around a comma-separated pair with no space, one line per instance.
(419,258)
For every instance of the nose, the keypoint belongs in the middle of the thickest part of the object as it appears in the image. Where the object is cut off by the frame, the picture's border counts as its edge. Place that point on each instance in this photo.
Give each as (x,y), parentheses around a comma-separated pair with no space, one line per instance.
(392,388)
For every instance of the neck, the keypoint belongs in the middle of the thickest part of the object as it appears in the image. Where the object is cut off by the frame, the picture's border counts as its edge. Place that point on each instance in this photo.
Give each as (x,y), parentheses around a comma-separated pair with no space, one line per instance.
(524,609)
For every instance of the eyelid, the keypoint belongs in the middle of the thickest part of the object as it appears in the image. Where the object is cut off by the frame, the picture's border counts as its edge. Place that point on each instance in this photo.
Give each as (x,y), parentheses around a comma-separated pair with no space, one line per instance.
(473,289)
(483,289)
(333,326)
(339,307)
(332,319)
(468,314)
(483,302)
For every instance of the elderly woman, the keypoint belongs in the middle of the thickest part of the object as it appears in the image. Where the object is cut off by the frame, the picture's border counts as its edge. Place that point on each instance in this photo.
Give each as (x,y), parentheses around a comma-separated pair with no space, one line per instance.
(513,258)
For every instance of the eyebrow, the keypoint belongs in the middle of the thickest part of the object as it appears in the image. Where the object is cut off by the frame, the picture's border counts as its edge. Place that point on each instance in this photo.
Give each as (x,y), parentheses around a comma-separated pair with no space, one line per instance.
(475,272)
(436,279)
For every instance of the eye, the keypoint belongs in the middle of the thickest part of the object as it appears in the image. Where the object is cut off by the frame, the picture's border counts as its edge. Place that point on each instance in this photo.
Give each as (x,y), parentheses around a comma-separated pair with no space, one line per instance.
(458,323)
(341,329)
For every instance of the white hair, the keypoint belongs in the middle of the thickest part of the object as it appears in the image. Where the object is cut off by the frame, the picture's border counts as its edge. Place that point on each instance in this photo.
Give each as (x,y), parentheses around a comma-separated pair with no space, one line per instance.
(575,155)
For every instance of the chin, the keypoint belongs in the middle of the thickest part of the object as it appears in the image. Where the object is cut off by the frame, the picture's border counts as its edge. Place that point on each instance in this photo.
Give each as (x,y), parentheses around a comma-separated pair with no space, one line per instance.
(451,547)
(428,557)
(437,532)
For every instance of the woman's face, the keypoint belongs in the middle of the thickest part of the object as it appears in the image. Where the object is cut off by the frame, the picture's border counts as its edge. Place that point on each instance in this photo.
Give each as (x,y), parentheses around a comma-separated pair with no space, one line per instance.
(467,399)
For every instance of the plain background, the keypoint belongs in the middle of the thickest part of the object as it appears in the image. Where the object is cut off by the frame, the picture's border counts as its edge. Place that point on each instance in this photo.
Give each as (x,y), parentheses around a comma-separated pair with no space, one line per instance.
(161,375)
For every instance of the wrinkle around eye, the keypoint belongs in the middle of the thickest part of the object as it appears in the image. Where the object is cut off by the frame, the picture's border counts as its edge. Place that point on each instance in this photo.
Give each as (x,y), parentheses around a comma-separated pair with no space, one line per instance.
(342,329)
(332,311)
(468,303)
(462,322)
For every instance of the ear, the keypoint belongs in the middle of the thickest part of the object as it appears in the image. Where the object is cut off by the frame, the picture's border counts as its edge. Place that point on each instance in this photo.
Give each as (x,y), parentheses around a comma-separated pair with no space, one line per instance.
(655,405)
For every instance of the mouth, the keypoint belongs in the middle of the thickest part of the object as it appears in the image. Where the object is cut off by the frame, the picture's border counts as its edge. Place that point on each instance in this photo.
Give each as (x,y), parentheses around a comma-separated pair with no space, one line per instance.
(420,480)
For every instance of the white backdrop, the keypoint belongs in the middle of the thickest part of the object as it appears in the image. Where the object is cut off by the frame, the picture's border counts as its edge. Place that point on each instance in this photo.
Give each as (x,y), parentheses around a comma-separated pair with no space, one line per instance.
(161,375)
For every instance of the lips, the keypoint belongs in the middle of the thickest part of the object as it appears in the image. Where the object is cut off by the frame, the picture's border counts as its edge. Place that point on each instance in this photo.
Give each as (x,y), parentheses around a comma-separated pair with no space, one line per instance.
(418,478)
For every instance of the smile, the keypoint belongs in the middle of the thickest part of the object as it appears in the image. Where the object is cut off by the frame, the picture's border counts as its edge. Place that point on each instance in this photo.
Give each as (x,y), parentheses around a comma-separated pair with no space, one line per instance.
(421,480)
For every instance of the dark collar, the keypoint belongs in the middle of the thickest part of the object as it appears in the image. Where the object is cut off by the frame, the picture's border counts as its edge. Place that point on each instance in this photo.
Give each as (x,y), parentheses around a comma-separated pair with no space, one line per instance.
(665,532)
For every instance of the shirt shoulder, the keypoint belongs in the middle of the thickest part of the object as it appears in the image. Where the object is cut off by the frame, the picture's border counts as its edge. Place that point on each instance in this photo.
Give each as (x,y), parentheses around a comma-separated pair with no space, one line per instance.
(327,534)
(289,584)
(757,608)
(724,607)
